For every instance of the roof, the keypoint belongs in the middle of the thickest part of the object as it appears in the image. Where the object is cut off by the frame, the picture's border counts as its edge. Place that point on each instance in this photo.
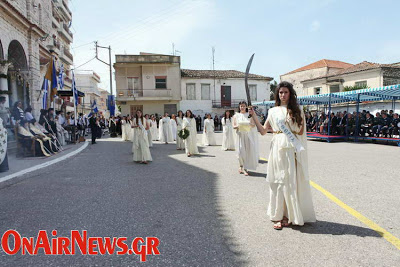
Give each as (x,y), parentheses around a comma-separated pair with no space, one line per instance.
(363,66)
(221,74)
(391,92)
(323,63)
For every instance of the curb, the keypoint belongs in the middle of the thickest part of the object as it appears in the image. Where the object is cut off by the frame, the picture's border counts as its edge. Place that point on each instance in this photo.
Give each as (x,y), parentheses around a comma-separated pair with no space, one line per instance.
(43,165)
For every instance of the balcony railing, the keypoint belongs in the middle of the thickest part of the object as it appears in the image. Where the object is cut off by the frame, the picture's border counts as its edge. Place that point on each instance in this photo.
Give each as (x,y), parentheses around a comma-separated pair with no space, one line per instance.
(67,30)
(136,93)
(233,103)
(68,54)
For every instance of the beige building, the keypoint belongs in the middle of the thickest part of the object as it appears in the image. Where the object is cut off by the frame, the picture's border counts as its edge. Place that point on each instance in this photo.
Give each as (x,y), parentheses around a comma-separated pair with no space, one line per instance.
(149,82)
(30,33)
(364,74)
(103,100)
(324,67)
(88,83)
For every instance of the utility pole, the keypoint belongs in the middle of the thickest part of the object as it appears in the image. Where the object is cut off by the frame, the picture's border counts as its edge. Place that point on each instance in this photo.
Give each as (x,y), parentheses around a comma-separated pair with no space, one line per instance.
(213,64)
(109,64)
(173,49)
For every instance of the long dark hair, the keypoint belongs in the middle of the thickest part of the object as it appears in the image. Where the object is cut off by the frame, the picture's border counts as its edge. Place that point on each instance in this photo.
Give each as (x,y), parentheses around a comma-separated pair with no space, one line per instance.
(243,102)
(293,107)
(181,113)
(229,116)
(137,118)
(191,113)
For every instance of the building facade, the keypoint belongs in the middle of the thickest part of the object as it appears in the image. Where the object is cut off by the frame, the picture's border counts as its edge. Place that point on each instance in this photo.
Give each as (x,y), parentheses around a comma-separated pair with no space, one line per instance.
(208,91)
(319,68)
(103,101)
(31,32)
(88,83)
(149,82)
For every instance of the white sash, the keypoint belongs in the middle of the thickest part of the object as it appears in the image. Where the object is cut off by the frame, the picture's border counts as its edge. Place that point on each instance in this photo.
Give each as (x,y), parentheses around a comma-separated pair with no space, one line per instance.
(292,138)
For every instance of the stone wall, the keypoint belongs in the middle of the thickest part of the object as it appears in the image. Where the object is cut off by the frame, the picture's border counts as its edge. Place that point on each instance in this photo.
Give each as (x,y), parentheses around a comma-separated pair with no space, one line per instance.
(391,76)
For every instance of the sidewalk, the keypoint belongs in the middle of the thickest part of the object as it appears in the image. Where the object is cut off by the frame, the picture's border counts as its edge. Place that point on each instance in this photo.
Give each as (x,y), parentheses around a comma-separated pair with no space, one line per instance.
(23,165)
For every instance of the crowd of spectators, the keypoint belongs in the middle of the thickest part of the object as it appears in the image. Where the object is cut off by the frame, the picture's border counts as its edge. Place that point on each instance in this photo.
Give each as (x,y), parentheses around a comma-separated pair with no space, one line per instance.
(382,124)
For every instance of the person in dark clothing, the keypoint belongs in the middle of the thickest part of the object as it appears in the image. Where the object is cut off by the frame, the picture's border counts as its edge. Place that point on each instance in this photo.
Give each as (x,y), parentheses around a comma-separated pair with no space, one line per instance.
(340,127)
(94,128)
(376,129)
(394,125)
(198,123)
(366,126)
(216,122)
(18,112)
(385,124)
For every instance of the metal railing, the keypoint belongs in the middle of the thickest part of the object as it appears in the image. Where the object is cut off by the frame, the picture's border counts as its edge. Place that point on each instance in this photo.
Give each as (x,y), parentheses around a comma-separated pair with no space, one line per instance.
(68,54)
(233,103)
(134,93)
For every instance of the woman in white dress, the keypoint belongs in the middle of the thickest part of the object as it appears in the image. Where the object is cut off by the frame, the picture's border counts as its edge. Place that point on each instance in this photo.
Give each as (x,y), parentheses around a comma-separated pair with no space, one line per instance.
(228,141)
(147,117)
(246,140)
(287,173)
(165,131)
(189,122)
(123,129)
(173,126)
(154,130)
(180,144)
(208,132)
(140,146)
(128,128)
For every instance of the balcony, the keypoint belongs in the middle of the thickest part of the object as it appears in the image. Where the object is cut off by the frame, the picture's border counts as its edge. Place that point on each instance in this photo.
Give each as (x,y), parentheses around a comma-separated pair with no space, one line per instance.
(144,94)
(234,103)
(68,54)
(63,8)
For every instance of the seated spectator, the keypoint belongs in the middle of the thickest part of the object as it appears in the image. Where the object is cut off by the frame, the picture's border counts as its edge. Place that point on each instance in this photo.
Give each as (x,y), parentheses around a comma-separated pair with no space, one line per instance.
(394,125)
(385,125)
(376,129)
(17,112)
(62,134)
(366,126)
(341,125)
(28,114)
(351,125)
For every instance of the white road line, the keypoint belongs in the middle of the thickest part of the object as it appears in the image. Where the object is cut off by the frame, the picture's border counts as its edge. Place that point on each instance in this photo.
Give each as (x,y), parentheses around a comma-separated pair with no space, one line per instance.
(43,165)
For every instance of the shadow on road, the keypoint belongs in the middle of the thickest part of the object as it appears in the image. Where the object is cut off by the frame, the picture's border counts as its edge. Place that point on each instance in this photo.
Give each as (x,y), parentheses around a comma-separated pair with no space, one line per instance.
(331,228)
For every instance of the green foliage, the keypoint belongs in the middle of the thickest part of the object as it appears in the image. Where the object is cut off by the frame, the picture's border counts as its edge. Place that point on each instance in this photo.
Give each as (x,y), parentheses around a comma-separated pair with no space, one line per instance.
(272,86)
(354,87)
(184,133)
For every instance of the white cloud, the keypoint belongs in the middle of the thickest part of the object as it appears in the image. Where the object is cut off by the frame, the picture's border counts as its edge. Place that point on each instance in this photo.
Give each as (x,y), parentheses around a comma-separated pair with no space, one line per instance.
(315,26)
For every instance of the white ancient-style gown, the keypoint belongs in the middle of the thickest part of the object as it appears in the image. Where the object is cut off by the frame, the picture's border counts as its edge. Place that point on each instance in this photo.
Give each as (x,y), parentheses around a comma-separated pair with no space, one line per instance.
(208,133)
(191,141)
(246,141)
(180,144)
(165,130)
(123,129)
(173,128)
(228,140)
(140,146)
(287,173)
(154,130)
(128,131)
(149,137)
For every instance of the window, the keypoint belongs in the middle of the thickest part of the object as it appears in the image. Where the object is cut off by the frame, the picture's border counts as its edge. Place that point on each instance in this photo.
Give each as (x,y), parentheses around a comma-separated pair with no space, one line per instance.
(133,86)
(253,92)
(205,91)
(317,90)
(170,108)
(161,82)
(190,91)
(334,88)
(361,84)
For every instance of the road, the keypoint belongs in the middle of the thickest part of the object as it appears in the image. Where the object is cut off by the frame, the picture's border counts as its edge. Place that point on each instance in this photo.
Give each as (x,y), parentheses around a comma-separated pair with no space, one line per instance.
(203,211)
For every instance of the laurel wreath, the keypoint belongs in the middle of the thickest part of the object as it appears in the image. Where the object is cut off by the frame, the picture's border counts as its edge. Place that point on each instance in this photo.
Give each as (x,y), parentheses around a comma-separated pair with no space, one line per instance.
(184,133)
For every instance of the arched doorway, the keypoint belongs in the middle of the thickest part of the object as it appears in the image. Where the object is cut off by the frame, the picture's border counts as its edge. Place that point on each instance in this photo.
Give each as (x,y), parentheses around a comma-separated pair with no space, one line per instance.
(18,74)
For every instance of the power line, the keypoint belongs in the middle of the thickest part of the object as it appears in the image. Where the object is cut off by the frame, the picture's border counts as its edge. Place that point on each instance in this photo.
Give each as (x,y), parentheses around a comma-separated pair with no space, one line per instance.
(81,45)
(84,63)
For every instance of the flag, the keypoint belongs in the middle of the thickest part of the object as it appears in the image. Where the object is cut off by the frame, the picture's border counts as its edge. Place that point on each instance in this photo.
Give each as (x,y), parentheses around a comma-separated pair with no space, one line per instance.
(51,76)
(45,88)
(74,90)
(61,77)
(94,107)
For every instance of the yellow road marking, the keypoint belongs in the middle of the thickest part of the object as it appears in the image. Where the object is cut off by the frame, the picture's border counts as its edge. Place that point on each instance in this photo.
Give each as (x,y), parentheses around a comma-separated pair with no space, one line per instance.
(385,234)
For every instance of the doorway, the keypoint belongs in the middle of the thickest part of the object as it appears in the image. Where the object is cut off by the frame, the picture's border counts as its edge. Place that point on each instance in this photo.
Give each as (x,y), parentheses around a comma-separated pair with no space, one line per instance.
(225,96)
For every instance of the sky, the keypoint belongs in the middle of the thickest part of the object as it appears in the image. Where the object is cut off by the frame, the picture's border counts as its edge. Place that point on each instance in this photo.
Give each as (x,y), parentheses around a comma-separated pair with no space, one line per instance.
(284,34)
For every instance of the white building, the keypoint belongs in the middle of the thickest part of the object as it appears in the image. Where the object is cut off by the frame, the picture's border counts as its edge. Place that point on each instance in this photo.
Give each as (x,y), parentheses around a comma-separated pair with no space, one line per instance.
(319,68)
(208,91)
(88,83)
(149,82)
(30,33)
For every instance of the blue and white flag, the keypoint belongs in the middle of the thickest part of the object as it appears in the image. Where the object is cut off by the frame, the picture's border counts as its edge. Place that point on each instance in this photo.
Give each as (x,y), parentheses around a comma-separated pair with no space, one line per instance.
(61,77)
(74,90)
(45,93)
(94,107)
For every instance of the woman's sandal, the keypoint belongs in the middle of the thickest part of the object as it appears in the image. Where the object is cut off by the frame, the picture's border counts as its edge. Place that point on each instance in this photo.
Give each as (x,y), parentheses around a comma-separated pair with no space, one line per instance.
(278,225)
(245,173)
(241,170)
(285,222)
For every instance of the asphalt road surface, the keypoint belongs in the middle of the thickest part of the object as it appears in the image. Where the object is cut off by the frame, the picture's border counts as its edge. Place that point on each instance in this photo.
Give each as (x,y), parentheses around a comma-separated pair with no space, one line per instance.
(205,213)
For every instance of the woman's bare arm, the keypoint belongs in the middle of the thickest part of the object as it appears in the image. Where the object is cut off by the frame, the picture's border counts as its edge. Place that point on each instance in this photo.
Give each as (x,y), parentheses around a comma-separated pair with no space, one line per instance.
(262,129)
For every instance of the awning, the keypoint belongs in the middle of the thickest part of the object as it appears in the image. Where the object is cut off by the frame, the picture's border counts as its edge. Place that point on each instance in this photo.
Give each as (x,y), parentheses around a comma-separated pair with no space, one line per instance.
(69,93)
